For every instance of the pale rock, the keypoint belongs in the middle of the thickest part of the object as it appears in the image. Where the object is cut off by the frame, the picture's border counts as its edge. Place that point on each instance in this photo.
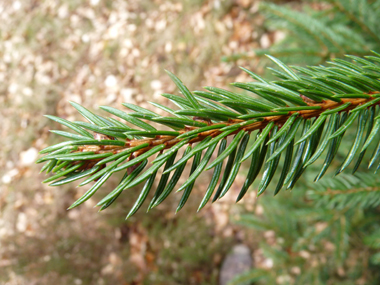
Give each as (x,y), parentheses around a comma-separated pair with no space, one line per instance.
(113,32)
(237,262)
(127,94)
(24,123)
(279,36)
(5,230)
(149,23)
(94,2)
(265,41)
(63,12)
(73,214)
(269,234)
(233,45)
(160,25)
(123,52)
(21,222)
(259,210)
(268,263)
(75,98)
(181,46)
(132,27)
(341,272)
(320,226)
(7,58)
(217,5)
(145,62)
(85,38)
(244,3)
(110,98)
(27,91)
(110,81)
(107,270)
(284,279)
(7,177)
(140,98)
(9,164)
(114,259)
(304,254)
(220,27)
(16,5)
(295,270)
(28,157)
(118,233)
(156,84)
(254,7)
(74,19)
(157,94)
(89,92)
(128,43)
(168,47)
(280,240)
(13,87)
(178,7)
(135,52)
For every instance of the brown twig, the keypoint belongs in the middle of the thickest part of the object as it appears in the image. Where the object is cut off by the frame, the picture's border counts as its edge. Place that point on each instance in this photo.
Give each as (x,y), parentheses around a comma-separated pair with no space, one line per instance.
(170,141)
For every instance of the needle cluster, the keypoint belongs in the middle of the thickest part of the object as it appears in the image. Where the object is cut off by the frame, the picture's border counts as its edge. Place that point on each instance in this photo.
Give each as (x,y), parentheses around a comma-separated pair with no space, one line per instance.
(299,117)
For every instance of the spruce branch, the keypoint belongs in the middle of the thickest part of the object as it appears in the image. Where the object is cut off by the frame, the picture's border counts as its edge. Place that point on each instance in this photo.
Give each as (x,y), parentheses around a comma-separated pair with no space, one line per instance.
(325,101)
(343,27)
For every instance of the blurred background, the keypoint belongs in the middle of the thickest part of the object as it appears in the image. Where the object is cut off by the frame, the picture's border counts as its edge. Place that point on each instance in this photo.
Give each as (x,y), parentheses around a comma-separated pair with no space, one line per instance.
(98,52)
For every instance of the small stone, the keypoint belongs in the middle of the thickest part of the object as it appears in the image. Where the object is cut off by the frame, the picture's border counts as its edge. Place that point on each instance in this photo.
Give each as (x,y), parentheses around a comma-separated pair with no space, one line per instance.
(7,177)
(127,94)
(156,84)
(110,81)
(128,43)
(21,222)
(110,98)
(13,87)
(295,270)
(94,2)
(16,5)
(268,263)
(236,263)
(85,38)
(114,259)
(168,47)
(75,98)
(63,12)
(284,279)
(265,41)
(88,92)
(28,157)
(279,36)
(304,254)
(27,91)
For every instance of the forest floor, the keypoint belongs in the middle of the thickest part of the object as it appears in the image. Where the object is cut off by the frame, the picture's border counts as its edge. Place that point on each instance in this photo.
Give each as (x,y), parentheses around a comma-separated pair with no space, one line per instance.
(105,53)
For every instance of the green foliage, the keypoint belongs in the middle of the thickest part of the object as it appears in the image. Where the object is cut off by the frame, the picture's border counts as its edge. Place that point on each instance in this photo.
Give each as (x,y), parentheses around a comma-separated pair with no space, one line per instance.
(314,239)
(302,127)
(312,36)
(308,230)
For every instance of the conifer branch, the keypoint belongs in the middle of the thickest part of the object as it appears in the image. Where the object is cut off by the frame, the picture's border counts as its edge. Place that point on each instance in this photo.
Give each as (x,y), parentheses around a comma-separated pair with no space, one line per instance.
(330,192)
(325,100)
(345,27)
